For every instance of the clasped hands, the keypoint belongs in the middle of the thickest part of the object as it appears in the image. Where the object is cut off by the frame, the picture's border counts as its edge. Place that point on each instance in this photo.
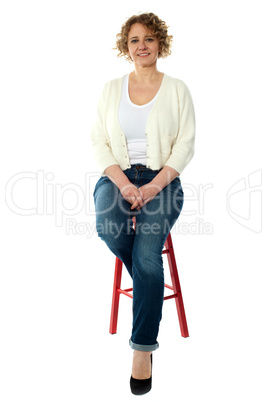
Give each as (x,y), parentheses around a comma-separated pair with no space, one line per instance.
(138,197)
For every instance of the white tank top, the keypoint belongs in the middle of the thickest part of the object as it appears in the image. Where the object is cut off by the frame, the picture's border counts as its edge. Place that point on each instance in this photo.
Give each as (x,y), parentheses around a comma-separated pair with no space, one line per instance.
(133,120)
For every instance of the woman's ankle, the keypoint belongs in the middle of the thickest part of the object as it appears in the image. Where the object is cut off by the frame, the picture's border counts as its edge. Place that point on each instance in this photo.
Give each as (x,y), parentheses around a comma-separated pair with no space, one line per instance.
(141,365)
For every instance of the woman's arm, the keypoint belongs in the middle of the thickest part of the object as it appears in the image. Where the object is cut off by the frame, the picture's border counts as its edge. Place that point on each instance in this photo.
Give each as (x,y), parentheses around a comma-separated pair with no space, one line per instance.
(139,197)
(163,178)
(183,148)
(102,151)
(128,190)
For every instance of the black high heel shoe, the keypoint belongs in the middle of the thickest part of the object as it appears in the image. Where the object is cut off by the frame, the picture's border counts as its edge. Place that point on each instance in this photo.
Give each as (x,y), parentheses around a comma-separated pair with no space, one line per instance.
(141,387)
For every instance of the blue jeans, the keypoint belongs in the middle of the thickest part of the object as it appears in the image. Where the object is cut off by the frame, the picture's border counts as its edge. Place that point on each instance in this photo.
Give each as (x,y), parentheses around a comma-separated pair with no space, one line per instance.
(141,249)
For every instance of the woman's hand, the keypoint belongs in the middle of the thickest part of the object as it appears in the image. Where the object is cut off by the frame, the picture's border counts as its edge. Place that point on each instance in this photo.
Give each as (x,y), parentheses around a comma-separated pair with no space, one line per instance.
(139,197)
(149,191)
(161,180)
(129,191)
(131,194)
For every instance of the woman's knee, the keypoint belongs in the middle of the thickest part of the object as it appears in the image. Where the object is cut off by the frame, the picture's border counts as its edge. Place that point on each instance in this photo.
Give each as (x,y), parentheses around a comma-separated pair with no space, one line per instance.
(148,262)
(112,231)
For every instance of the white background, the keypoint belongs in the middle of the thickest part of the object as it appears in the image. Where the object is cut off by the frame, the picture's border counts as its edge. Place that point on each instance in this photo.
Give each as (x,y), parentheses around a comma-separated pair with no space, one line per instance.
(56,281)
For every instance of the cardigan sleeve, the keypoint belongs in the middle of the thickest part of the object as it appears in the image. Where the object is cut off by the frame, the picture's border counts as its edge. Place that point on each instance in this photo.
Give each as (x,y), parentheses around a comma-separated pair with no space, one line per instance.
(183,148)
(100,141)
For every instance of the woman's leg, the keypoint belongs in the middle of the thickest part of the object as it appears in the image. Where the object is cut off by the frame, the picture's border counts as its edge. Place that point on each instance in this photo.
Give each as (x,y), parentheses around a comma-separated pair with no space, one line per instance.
(140,250)
(153,223)
(114,220)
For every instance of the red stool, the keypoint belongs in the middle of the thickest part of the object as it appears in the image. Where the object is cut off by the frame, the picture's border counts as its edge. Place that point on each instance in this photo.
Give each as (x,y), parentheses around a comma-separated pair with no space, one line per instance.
(177,293)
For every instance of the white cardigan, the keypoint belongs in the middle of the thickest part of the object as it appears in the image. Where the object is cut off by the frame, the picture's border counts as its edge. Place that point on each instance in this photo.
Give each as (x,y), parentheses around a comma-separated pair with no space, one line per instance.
(170,129)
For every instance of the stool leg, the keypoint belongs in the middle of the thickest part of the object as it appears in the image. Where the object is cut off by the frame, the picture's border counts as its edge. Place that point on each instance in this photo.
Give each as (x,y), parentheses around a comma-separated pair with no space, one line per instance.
(115,297)
(176,287)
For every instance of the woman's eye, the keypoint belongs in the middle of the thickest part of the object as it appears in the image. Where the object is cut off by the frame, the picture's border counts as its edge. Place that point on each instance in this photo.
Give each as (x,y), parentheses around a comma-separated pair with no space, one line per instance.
(148,39)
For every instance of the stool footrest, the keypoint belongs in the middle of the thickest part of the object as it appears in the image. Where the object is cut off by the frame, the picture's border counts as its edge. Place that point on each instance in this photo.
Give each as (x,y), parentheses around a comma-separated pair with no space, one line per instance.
(170,297)
(168,286)
(125,292)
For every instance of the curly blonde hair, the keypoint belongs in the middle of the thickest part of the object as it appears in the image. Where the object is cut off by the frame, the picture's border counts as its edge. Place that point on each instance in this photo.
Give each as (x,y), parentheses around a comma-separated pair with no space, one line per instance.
(151,22)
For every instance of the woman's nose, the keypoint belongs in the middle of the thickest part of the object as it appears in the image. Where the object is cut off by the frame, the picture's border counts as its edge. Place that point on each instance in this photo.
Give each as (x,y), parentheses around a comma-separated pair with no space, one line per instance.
(142,45)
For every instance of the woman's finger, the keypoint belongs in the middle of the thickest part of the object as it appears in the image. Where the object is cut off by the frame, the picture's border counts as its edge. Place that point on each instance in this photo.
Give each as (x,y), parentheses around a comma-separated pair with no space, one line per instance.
(135,204)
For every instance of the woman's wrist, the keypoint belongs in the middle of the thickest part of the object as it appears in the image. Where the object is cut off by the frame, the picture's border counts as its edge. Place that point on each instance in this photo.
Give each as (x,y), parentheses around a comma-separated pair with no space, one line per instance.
(116,175)
(164,177)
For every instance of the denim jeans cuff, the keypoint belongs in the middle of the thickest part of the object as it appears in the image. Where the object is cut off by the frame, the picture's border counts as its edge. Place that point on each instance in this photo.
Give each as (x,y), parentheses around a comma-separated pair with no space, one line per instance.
(143,348)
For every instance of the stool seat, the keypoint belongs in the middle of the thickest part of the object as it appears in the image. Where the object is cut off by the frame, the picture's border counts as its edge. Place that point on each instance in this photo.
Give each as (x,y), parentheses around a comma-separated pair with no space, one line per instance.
(176,288)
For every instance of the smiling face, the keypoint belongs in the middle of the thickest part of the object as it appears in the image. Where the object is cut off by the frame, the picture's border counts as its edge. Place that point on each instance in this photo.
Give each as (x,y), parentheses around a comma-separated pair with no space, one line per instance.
(143,46)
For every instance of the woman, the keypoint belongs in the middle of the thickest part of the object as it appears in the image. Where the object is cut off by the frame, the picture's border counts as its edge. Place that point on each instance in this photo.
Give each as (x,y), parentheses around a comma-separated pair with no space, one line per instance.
(143,138)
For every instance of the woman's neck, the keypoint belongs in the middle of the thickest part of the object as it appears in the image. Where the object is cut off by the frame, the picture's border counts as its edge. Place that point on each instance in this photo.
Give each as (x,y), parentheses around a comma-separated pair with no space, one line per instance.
(145,74)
